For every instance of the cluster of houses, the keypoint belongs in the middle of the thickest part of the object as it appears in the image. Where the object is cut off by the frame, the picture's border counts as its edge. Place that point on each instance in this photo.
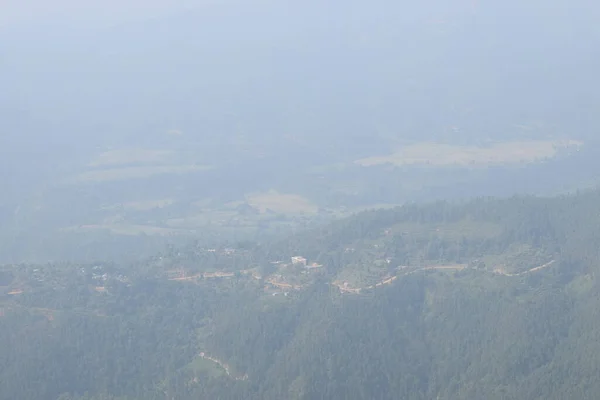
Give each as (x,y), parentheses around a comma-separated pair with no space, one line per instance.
(299,260)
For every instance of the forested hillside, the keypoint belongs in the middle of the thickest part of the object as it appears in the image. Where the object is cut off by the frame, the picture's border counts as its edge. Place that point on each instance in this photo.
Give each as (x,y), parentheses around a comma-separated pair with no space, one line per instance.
(487,299)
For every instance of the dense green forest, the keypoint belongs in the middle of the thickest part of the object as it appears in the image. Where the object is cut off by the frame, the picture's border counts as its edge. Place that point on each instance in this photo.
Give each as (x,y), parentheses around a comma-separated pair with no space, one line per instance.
(491,298)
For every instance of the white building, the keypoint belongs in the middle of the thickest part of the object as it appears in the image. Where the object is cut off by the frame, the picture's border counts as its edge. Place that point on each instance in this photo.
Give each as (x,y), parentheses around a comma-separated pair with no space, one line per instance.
(298,260)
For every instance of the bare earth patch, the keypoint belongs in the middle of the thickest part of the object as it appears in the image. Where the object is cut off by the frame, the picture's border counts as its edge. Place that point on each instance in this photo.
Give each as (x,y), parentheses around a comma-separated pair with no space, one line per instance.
(126,229)
(437,154)
(126,173)
(143,205)
(131,156)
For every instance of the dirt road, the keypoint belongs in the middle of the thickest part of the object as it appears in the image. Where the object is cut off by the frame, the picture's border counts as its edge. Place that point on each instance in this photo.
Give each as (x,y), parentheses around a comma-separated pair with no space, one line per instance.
(500,271)
(345,288)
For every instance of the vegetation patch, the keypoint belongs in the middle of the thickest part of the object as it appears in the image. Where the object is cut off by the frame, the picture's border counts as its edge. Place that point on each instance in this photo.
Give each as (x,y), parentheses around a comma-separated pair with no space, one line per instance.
(364,275)
(516,259)
(466,228)
(203,366)
(281,203)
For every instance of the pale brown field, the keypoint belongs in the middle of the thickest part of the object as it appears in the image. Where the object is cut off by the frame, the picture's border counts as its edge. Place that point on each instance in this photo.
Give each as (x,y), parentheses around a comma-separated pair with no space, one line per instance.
(281,203)
(131,156)
(437,154)
(142,205)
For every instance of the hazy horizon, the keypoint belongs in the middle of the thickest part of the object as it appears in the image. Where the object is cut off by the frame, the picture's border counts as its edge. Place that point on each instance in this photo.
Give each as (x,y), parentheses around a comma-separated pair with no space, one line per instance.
(243,98)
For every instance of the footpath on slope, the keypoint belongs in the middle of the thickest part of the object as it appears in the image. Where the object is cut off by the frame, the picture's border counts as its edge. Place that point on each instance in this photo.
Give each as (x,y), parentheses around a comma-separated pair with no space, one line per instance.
(345,288)
(224,366)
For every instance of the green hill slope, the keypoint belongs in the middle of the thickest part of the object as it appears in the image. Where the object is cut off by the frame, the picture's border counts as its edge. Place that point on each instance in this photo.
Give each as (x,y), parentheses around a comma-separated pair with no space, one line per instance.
(494,299)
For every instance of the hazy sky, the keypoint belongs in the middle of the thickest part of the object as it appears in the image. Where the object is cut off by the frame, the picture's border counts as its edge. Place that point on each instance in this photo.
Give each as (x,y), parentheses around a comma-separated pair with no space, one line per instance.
(81,75)
(112,67)
(90,13)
